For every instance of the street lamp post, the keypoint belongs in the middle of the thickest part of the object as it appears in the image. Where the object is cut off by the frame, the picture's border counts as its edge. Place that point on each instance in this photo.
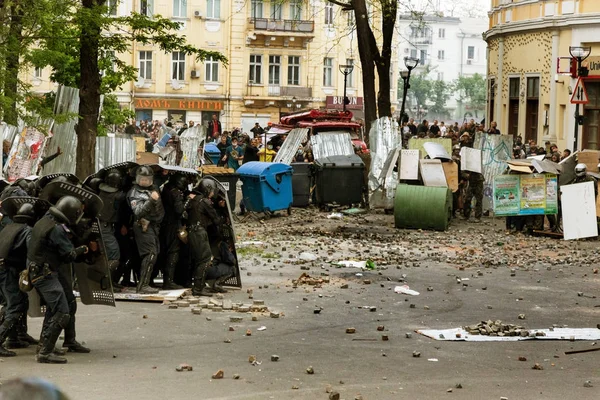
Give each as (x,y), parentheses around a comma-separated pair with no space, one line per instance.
(346,69)
(580,53)
(410,63)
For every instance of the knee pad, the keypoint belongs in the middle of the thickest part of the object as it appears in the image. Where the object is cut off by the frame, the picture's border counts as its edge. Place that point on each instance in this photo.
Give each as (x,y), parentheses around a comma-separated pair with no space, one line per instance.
(62,319)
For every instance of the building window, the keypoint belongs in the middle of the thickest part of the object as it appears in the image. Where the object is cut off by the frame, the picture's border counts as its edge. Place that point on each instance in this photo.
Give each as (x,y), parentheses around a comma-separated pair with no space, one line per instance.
(423,57)
(294,70)
(513,88)
(276,10)
(470,52)
(533,88)
(180,8)
(255,69)
(37,72)
(441,54)
(350,18)
(178,58)
(145,66)
(112,7)
(413,53)
(328,72)
(441,33)
(147,7)
(296,10)
(256,10)
(440,76)
(329,14)
(213,9)
(350,78)
(274,70)
(211,72)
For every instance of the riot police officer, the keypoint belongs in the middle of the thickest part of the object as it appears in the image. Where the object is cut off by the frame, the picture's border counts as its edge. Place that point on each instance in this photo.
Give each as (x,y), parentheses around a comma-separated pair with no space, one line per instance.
(148,213)
(113,197)
(582,176)
(13,259)
(49,248)
(173,202)
(200,215)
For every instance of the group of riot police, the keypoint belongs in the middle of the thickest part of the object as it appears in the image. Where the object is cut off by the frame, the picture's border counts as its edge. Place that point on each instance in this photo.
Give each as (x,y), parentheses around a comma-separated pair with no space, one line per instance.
(58,233)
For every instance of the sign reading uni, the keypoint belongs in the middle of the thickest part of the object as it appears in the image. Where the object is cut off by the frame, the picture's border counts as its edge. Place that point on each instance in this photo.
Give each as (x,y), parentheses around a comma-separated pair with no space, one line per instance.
(177,104)
(337,102)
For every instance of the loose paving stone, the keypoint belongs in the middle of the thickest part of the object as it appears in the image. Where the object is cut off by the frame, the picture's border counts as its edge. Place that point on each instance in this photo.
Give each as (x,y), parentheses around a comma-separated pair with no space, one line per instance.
(219,374)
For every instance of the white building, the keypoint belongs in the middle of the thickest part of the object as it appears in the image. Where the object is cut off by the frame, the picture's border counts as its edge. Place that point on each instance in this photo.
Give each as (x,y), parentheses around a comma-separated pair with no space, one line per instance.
(450,47)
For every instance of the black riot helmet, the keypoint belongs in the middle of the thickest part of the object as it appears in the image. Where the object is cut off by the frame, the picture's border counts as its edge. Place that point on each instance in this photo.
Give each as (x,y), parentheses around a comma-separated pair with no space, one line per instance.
(60,178)
(94,184)
(207,187)
(113,181)
(68,210)
(179,181)
(25,214)
(144,176)
(27,186)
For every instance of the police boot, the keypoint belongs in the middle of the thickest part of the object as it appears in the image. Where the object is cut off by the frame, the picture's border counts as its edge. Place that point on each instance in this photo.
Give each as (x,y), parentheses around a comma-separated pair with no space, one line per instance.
(4,329)
(49,337)
(217,285)
(72,345)
(22,331)
(168,283)
(13,341)
(143,286)
(199,288)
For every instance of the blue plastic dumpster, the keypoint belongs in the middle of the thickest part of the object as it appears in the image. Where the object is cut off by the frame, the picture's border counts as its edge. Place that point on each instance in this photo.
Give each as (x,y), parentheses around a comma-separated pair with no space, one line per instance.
(213,152)
(267,187)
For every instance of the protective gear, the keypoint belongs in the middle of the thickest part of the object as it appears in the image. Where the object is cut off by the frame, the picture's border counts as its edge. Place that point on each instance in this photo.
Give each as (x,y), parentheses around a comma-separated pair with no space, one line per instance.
(144,176)
(456,147)
(207,187)
(50,335)
(60,178)
(145,275)
(580,170)
(180,182)
(68,209)
(113,181)
(94,184)
(25,215)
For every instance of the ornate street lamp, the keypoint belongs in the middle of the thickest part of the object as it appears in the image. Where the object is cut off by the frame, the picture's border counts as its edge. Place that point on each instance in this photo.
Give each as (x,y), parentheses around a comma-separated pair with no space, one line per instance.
(346,69)
(410,63)
(579,53)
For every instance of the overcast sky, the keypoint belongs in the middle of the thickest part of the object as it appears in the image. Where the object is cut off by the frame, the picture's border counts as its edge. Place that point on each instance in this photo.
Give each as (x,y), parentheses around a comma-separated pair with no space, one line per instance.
(458,8)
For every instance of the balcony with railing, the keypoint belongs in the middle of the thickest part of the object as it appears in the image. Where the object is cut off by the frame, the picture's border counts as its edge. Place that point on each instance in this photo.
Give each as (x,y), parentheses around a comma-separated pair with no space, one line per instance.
(283,25)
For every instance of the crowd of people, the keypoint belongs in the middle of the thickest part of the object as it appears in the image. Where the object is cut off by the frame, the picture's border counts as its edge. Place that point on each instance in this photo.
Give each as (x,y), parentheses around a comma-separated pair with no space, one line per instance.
(145,215)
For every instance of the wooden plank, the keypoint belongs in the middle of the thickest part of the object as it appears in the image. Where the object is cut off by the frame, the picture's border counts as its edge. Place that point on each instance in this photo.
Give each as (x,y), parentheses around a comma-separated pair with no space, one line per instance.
(451,172)
(590,159)
(146,158)
(140,144)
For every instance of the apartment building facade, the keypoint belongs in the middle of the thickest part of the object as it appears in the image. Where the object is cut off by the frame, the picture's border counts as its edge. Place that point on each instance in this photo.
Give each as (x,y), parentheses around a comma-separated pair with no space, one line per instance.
(529,84)
(283,56)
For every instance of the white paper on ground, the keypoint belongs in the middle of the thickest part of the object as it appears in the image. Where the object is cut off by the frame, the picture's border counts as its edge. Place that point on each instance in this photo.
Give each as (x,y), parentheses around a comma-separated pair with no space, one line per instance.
(579,211)
(404,289)
(307,256)
(555,334)
(352,264)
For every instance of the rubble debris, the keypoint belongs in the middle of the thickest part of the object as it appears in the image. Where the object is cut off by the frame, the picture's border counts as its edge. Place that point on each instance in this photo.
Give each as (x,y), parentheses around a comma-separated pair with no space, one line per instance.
(310,370)
(537,366)
(274,358)
(184,367)
(219,374)
(587,384)
(381,328)
(306,279)
(416,354)
(496,328)
(334,396)
(252,359)
(236,376)
(404,289)
(521,358)
(350,330)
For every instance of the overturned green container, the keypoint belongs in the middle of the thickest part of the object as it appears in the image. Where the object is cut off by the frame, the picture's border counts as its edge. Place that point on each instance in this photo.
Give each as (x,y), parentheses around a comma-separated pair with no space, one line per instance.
(422,207)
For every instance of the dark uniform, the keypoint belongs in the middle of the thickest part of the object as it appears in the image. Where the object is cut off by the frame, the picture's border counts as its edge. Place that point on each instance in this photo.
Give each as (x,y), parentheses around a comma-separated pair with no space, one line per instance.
(50,247)
(148,214)
(108,217)
(475,190)
(13,259)
(201,215)
(173,202)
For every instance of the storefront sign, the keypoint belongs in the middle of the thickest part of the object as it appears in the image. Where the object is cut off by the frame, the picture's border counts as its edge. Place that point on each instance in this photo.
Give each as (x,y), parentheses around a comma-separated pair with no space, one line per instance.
(593,64)
(527,194)
(337,103)
(175,104)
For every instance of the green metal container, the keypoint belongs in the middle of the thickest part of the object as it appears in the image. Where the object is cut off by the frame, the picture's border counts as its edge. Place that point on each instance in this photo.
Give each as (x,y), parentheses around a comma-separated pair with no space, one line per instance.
(422,207)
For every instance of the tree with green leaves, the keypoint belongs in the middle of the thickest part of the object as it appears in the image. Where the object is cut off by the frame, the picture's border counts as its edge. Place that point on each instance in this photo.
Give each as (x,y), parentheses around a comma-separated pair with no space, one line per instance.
(472,91)
(440,94)
(84,41)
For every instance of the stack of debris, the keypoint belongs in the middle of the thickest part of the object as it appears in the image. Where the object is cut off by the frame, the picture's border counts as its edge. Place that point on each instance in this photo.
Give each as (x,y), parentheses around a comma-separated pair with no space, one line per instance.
(497,328)
(306,279)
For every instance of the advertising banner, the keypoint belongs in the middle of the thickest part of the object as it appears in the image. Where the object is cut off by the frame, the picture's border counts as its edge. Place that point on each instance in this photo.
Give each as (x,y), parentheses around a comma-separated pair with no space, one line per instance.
(530,194)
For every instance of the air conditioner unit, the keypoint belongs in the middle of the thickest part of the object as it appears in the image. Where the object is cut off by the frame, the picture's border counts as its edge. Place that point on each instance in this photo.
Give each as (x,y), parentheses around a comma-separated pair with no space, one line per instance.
(195,74)
(469,62)
(198,14)
(406,51)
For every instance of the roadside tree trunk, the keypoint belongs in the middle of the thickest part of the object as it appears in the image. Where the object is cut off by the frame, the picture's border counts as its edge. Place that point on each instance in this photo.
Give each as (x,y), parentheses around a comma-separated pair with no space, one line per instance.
(11,77)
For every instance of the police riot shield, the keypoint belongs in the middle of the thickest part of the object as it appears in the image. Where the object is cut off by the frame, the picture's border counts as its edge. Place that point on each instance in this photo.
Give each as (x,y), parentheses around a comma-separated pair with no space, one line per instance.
(46,179)
(92,272)
(227,232)
(126,169)
(162,173)
(4,184)
(11,205)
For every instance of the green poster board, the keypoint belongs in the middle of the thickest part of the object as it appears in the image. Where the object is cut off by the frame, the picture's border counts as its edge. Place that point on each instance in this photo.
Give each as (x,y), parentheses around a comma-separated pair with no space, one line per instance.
(526,194)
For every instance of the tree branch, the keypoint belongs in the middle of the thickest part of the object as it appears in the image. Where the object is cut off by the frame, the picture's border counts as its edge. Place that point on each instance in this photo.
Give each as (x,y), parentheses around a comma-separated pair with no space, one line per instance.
(347,6)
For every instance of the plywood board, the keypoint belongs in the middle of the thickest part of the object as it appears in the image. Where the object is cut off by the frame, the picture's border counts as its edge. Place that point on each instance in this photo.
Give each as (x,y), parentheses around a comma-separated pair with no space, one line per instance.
(436,150)
(451,172)
(432,173)
(409,165)
(146,158)
(140,144)
(579,211)
(590,159)
(470,159)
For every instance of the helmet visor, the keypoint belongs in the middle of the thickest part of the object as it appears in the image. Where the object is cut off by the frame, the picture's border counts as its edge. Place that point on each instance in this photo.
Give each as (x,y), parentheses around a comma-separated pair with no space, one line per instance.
(144,180)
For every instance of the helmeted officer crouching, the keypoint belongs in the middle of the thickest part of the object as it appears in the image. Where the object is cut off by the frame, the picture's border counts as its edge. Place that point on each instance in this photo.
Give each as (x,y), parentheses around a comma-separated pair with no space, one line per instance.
(50,247)
(148,213)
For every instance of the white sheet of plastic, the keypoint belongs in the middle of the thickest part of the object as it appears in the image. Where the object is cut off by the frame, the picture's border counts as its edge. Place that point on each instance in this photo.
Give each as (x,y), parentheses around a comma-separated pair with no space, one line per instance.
(432,173)
(554,334)
(383,140)
(470,159)
(436,150)
(579,211)
(409,164)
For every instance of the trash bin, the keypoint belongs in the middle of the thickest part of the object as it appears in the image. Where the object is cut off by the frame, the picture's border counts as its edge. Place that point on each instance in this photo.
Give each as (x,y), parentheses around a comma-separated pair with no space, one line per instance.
(301,184)
(227,178)
(339,179)
(266,187)
(213,152)
(422,207)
